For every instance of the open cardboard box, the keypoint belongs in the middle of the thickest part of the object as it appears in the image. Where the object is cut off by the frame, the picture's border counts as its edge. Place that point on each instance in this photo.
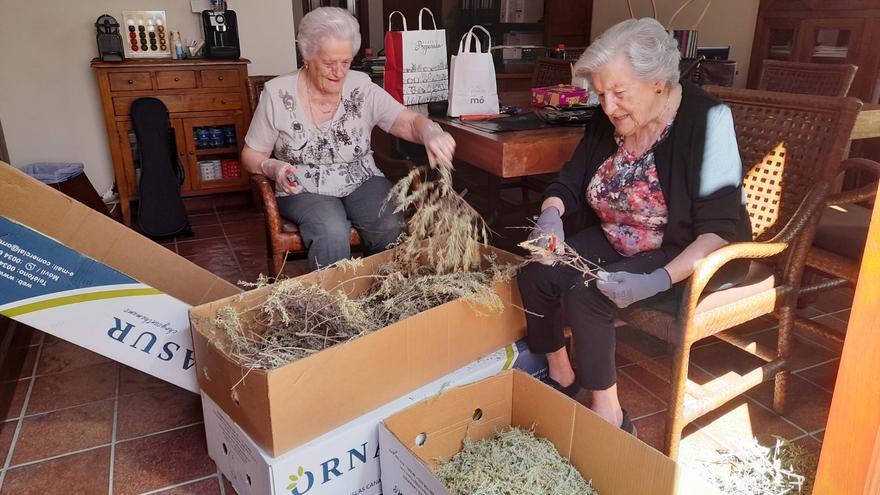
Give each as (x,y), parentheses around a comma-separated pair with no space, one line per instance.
(77,274)
(287,406)
(413,440)
(344,460)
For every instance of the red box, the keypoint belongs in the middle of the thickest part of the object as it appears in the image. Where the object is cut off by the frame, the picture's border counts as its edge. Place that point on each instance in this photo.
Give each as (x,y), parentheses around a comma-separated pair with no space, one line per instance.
(560,95)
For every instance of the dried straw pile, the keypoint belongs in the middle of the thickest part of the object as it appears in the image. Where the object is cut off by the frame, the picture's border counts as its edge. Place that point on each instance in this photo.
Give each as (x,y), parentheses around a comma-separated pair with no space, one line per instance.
(752,469)
(439,261)
(515,462)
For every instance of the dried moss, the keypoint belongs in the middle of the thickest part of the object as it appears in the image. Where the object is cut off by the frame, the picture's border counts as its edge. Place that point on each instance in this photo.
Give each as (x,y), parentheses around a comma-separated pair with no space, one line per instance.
(515,462)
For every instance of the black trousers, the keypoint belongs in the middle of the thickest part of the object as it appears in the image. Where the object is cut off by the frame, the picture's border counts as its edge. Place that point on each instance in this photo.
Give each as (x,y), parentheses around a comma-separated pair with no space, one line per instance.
(558,296)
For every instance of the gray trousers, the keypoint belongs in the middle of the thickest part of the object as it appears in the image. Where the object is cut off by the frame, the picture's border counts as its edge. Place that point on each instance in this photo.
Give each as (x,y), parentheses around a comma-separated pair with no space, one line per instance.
(325,222)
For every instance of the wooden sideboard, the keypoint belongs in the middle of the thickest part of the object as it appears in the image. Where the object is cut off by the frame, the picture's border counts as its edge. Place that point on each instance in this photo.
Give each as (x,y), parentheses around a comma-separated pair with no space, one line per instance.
(198,94)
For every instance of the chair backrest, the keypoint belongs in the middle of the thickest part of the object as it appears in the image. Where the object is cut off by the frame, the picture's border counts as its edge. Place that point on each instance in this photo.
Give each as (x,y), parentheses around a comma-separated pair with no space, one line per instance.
(788,143)
(255,87)
(550,72)
(806,78)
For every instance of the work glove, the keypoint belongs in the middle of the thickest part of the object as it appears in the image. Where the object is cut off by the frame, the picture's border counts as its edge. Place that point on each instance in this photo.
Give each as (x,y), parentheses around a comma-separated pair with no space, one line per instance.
(624,288)
(548,224)
(283,175)
(438,143)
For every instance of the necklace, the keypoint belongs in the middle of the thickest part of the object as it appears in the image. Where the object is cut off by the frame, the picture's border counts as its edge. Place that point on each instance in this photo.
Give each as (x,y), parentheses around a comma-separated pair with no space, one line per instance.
(331,111)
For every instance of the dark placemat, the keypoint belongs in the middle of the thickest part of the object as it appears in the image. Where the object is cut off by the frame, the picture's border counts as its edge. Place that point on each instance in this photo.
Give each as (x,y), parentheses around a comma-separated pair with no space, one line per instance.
(521,122)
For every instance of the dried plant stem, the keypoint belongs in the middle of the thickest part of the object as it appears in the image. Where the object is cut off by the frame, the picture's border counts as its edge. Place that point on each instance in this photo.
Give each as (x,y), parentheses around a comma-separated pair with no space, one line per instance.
(549,249)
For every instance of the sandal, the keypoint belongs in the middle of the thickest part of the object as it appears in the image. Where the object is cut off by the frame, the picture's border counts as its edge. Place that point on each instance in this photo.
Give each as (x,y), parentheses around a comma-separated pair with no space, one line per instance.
(628,426)
(570,390)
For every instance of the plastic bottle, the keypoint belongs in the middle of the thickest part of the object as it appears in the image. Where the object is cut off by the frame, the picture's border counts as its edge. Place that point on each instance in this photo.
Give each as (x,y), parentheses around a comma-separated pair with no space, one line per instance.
(559,52)
(173,41)
(178,47)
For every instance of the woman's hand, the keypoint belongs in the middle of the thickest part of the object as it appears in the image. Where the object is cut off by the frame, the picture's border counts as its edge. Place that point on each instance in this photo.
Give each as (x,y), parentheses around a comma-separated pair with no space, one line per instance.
(548,224)
(624,288)
(283,175)
(438,143)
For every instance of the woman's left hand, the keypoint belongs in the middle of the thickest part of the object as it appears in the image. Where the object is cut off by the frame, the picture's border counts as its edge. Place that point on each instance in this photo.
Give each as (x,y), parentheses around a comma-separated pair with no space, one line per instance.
(624,288)
(439,144)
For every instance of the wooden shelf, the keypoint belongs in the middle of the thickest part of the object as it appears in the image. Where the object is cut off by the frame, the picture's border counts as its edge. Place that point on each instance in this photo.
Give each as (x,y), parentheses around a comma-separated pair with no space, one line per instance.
(217,151)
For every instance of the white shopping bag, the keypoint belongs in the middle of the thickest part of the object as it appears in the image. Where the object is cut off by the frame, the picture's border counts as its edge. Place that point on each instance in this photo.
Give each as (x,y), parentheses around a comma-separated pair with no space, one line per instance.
(415,62)
(472,87)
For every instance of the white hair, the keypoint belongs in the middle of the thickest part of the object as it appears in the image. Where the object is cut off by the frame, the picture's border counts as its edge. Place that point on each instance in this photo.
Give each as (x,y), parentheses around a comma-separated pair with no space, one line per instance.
(327,23)
(648,47)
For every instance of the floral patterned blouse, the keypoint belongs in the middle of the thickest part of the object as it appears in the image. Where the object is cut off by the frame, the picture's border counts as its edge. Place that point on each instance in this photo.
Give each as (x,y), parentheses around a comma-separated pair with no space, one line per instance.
(333,158)
(626,196)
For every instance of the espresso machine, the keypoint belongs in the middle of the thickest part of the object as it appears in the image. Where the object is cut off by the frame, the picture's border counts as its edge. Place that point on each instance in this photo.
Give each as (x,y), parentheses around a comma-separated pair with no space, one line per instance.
(221,32)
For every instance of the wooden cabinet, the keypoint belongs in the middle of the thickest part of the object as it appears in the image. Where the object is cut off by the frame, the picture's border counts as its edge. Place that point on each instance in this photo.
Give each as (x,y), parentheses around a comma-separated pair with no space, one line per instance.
(821,31)
(201,96)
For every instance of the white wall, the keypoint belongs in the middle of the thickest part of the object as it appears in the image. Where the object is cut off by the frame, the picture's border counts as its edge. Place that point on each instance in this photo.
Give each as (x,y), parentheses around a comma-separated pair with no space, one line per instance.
(727,22)
(49,101)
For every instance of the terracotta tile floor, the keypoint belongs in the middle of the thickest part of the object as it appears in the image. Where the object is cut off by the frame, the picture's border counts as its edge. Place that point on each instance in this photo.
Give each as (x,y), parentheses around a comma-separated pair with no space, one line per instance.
(76,422)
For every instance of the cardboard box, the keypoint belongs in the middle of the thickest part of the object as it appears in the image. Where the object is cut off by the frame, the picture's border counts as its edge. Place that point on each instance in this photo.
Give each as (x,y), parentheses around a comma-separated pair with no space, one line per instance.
(287,406)
(77,274)
(560,95)
(346,459)
(618,463)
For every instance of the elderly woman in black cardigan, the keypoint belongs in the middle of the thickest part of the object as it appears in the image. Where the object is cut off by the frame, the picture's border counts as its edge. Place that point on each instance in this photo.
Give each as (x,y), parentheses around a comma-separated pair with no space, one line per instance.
(658,178)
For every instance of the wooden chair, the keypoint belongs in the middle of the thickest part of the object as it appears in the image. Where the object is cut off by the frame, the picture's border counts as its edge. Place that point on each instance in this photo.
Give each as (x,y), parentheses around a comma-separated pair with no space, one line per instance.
(255,86)
(791,147)
(834,258)
(550,72)
(282,235)
(806,78)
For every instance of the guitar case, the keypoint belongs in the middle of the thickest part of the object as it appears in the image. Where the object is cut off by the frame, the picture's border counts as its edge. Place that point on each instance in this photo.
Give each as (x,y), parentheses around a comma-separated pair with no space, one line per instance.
(160,208)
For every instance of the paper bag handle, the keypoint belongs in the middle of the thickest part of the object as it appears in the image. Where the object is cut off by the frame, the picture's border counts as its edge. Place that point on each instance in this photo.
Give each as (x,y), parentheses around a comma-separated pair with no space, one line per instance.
(699,19)
(433,21)
(402,17)
(465,44)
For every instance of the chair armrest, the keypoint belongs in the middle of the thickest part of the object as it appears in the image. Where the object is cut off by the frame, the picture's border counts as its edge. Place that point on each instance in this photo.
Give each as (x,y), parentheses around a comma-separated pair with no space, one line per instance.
(266,189)
(707,268)
(859,194)
(806,213)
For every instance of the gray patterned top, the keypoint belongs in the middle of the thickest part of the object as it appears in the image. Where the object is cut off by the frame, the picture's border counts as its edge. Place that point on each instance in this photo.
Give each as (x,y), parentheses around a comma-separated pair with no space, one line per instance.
(334,158)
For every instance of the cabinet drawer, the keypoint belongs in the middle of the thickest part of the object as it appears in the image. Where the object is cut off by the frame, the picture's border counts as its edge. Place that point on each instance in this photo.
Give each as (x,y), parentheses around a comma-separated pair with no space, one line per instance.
(130,81)
(175,79)
(185,103)
(220,78)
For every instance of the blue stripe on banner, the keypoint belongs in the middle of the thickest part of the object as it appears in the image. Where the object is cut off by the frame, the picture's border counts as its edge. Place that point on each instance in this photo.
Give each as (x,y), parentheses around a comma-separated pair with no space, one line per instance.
(32,265)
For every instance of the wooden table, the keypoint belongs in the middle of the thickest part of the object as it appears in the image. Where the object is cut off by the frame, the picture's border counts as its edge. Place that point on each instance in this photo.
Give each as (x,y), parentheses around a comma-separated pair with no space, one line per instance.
(515,153)
(867,123)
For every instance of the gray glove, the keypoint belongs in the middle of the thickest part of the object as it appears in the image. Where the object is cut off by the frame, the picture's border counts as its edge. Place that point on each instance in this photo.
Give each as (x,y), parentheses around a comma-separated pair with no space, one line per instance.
(624,288)
(548,223)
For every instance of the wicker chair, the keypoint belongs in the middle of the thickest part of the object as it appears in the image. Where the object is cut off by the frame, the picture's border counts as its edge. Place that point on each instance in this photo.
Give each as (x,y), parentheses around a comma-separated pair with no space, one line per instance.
(282,235)
(550,72)
(834,259)
(806,78)
(791,147)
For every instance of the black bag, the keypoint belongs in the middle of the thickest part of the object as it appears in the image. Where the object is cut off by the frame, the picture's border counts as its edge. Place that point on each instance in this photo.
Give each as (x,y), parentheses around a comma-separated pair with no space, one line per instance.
(702,71)
(160,209)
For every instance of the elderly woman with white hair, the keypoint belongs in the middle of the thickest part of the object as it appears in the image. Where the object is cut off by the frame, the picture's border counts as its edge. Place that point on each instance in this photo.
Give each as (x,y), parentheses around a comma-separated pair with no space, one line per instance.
(657,184)
(310,134)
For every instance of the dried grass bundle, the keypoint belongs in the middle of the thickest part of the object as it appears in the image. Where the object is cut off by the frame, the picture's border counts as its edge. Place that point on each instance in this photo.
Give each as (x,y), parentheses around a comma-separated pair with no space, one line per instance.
(438,262)
(515,462)
(443,227)
(751,469)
